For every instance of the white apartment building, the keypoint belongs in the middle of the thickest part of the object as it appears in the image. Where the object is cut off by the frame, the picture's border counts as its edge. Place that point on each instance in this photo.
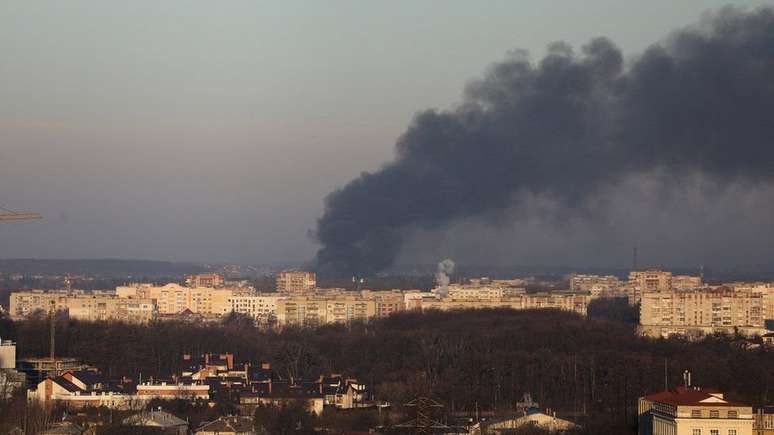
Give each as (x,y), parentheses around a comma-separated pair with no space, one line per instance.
(261,307)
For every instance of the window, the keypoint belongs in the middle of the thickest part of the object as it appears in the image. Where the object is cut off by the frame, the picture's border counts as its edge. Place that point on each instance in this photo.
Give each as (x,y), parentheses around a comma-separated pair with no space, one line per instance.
(732,414)
(696,432)
(714,413)
(732,432)
(696,413)
(714,432)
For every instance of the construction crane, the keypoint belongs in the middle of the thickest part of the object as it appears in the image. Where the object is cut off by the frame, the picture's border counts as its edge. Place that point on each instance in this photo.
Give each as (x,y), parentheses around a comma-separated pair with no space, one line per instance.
(11,215)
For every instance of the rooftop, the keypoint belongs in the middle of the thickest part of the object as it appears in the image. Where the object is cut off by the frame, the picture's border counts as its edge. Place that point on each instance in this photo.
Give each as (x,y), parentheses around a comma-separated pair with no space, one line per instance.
(691,396)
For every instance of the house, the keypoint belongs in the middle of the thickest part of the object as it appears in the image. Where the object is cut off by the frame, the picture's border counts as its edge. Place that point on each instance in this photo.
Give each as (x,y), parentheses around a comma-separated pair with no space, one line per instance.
(343,393)
(276,393)
(79,389)
(544,420)
(232,425)
(173,390)
(168,423)
(63,428)
(693,411)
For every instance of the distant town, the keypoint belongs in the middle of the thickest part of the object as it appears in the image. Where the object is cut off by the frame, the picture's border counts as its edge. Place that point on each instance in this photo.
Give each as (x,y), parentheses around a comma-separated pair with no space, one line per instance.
(668,306)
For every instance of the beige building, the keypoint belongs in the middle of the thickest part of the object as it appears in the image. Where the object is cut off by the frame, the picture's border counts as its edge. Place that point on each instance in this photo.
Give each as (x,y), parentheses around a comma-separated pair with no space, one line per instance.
(83,306)
(693,411)
(701,311)
(387,302)
(559,301)
(205,280)
(641,281)
(296,281)
(764,420)
(686,282)
(319,309)
(590,283)
(174,298)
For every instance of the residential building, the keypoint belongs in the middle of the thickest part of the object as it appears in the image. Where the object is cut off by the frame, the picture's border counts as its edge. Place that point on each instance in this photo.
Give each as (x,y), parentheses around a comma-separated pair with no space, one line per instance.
(82,305)
(387,302)
(693,411)
(10,379)
(261,307)
(174,298)
(296,281)
(686,282)
(641,281)
(763,420)
(544,421)
(80,389)
(559,301)
(588,283)
(173,390)
(319,309)
(230,425)
(7,354)
(702,311)
(210,280)
(164,422)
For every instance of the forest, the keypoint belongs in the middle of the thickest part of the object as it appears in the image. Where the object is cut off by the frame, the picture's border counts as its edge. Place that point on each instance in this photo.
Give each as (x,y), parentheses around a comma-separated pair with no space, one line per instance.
(590,369)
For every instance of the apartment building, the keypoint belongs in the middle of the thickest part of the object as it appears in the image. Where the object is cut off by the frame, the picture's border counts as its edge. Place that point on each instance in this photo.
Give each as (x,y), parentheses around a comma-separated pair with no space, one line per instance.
(702,311)
(261,307)
(473,292)
(693,411)
(587,283)
(24,303)
(642,281)
(210,280)
(319,309)
(387,302)
(559,301)
(173,298)
(83,306)
(686,282)
(296,281)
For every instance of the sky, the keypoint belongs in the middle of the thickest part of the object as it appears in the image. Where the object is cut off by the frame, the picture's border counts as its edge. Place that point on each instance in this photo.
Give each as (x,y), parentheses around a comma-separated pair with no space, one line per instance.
(212,132)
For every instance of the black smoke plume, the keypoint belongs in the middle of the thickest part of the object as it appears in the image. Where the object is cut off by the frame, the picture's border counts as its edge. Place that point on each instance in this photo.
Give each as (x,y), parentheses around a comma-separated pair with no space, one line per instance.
(565,127)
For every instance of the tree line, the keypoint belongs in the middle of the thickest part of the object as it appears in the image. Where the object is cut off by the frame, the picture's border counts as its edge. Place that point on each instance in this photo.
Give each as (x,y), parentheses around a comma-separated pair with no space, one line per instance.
(589,368)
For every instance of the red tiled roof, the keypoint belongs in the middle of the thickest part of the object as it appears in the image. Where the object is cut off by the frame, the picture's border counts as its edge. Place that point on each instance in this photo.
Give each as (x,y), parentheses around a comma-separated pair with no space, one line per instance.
(695,396)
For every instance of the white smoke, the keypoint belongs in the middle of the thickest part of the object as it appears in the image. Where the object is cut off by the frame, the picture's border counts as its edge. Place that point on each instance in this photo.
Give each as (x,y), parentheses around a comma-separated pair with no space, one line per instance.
(445,268)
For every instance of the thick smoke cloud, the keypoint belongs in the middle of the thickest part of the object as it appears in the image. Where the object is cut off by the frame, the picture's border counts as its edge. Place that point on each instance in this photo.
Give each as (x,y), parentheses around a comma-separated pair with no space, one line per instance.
(565,128)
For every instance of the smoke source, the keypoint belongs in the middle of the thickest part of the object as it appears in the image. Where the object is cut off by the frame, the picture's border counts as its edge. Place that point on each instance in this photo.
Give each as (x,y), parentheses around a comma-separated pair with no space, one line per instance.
(445,268)
(566,127)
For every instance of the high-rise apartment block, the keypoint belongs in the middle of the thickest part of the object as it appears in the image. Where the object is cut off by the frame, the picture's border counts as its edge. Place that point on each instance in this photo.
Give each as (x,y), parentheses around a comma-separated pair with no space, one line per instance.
(705,310)
(295,281)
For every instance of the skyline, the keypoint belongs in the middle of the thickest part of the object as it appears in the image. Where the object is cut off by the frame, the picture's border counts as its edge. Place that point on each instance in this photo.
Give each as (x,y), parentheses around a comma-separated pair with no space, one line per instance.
(144,138)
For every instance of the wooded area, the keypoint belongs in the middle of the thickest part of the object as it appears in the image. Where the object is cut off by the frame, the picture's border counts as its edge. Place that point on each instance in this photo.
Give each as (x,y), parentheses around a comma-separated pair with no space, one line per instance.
(590,369)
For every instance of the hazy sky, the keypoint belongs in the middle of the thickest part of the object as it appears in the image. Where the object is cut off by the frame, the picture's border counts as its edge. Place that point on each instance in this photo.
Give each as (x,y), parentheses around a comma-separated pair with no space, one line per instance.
(211,131)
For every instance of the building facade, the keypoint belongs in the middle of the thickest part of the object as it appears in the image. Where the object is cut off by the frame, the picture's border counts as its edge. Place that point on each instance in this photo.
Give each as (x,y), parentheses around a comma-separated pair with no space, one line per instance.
(296,281)
(702,311)
(693,411)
